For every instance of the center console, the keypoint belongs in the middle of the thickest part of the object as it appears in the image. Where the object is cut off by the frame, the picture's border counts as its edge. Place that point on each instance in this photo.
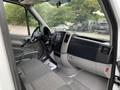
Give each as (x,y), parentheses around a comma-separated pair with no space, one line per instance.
(59,39)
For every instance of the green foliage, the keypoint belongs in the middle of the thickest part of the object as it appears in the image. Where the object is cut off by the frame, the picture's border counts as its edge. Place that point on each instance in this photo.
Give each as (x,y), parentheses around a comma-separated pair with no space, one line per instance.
(75,11)
(15,14)
(55,16)
(84,9)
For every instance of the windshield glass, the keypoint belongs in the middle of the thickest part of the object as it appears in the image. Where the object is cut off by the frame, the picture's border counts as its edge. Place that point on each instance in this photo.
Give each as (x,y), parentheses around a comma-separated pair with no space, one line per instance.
(82,17)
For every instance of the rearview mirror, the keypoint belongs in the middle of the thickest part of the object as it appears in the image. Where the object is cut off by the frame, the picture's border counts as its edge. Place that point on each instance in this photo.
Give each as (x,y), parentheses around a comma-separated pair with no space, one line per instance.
(58,2)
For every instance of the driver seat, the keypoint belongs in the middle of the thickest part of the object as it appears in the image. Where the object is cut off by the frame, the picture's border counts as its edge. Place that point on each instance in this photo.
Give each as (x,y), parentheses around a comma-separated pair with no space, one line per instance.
(37,76)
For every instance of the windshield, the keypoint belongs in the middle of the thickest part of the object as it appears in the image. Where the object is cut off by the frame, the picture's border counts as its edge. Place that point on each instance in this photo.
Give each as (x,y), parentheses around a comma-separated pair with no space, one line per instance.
(82,17)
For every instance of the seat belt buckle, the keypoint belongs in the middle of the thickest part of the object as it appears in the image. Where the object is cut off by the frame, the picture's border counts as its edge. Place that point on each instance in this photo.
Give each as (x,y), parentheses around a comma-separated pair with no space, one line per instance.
(117,80)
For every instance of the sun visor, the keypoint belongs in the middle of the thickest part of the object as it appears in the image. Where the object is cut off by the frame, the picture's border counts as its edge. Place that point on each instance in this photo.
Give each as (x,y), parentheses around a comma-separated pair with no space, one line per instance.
(52,2)
(31,2)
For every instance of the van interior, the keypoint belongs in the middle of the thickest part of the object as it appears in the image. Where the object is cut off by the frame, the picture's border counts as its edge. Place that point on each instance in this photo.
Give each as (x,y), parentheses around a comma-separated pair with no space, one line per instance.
(60,60)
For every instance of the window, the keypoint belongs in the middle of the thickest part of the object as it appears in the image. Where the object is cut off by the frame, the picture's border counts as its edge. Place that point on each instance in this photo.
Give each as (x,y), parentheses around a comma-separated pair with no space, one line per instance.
(82,17)
(16,19)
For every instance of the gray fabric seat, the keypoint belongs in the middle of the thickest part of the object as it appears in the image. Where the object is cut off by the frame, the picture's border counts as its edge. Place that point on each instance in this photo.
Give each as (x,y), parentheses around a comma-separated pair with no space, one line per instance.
(37,76)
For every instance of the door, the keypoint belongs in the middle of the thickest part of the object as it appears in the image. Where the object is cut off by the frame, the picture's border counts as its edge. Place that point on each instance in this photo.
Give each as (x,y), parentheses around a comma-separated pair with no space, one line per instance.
(16,19)
(21,24)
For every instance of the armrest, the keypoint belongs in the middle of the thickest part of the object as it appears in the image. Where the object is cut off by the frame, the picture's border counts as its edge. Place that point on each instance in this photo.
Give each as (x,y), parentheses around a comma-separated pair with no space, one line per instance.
(27,55)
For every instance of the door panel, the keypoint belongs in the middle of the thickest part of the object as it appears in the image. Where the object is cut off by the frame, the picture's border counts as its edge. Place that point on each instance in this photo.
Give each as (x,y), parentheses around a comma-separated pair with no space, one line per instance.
(17,40)
(28,50)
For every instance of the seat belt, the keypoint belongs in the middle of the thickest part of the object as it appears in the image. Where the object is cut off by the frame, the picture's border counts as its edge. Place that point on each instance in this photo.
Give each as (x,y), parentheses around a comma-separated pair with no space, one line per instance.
(21,82)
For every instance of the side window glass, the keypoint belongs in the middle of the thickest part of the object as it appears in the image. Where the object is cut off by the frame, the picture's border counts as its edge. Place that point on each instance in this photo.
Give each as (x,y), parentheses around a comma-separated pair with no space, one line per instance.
(16,19)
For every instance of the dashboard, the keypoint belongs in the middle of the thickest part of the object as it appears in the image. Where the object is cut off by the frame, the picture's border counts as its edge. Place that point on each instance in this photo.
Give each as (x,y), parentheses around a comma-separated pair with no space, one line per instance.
(87,54)
(84,48)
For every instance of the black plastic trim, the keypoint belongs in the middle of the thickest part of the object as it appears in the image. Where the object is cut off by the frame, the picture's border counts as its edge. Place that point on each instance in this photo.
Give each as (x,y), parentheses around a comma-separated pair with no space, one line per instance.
(57,47)
(113,22)
(89,50)
(83,49)
(57,54)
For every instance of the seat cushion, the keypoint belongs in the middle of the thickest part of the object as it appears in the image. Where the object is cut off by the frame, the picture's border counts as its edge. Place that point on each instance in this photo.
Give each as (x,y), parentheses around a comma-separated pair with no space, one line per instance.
(37,76)
(32,70)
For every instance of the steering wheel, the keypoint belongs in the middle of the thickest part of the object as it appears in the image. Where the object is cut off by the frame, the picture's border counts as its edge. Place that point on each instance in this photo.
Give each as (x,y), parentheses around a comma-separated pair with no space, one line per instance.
(38,35)
(41,33)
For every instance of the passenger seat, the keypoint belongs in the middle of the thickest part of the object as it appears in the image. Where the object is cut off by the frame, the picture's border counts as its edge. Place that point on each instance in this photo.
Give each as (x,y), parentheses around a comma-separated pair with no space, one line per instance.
(37,76)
